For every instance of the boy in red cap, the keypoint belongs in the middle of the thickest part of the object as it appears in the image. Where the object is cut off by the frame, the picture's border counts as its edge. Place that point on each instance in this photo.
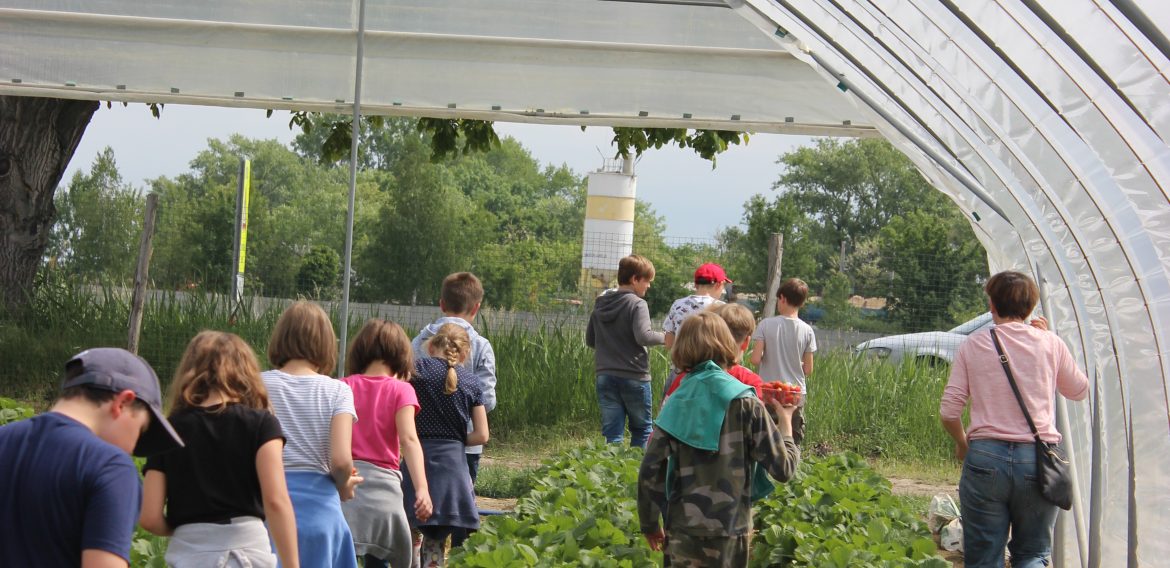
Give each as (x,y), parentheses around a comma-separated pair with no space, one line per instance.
(709,283)
(71,494)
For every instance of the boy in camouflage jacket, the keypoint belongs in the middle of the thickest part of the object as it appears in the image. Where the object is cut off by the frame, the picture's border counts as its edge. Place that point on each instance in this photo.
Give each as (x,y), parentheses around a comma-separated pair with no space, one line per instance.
(698,473)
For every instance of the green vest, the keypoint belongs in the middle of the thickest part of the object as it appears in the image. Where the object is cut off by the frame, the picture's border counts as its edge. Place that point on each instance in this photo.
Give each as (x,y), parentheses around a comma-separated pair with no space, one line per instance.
(695,412)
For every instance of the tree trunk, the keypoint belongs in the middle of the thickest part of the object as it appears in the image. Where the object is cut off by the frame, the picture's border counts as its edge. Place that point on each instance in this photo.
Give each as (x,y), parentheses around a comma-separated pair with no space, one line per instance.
(37,139)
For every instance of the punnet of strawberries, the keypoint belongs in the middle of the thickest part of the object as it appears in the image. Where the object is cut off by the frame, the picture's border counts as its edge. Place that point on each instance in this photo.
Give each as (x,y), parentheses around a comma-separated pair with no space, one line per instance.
(787,394)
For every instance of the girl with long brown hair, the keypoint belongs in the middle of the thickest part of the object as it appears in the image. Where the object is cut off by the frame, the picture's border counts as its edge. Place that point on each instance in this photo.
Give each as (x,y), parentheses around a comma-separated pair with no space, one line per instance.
(220,488)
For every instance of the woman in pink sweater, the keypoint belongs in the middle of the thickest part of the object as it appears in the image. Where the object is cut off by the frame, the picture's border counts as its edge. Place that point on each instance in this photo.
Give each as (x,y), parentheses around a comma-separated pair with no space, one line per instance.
(997,489)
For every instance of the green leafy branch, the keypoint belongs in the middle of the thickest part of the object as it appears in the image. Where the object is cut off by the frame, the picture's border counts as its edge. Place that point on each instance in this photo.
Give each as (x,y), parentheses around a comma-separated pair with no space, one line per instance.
(706,143)
(453,136)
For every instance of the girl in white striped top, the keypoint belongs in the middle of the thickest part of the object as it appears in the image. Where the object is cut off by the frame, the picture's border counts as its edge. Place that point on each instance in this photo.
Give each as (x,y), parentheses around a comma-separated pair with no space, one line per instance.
(317,414)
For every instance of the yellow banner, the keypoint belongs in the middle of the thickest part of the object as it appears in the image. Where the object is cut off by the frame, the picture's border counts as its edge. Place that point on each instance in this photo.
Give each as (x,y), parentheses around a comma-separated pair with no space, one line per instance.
(244,216)
(609,208)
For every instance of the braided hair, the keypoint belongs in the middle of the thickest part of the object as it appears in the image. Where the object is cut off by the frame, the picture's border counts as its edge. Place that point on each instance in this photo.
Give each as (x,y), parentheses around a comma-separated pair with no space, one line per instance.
(451,343)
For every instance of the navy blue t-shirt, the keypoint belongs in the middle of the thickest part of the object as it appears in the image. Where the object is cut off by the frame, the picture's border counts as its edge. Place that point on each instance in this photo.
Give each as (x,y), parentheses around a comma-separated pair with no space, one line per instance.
(63,490)
(441,415)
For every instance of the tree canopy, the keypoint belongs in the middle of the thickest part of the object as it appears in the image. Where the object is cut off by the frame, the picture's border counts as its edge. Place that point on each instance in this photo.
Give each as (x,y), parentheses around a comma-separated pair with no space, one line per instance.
(856,219)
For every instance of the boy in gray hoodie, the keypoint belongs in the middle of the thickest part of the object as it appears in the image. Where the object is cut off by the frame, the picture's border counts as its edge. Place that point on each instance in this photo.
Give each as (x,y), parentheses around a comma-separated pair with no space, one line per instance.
(619,331)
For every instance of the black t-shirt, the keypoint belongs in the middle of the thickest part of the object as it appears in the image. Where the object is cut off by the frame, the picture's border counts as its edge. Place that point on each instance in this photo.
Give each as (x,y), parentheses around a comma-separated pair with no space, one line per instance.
(214,477)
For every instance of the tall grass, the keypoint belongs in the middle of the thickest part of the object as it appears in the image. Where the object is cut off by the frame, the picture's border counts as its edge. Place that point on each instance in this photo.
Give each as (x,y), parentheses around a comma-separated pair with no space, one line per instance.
(545,375)
(546,379)
(877,409)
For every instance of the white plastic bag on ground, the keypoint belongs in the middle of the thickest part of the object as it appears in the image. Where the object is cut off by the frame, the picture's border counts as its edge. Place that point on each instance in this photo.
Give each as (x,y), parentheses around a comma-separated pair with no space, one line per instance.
(951,537)
(942,511)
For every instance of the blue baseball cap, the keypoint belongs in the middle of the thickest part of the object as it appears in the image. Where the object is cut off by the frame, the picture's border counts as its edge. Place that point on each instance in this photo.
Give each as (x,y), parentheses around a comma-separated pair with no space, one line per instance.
(116,370)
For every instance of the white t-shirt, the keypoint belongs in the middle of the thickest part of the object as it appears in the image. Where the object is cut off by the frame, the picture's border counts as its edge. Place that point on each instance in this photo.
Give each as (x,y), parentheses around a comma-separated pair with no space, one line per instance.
(786,340)
(305,406)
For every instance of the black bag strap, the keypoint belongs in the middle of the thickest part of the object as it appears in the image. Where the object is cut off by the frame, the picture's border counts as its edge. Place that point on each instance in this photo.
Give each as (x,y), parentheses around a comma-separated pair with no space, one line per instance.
(1012,381)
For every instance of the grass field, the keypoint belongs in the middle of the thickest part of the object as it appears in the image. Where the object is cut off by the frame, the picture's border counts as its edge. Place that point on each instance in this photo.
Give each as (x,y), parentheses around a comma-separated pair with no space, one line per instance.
(546,393)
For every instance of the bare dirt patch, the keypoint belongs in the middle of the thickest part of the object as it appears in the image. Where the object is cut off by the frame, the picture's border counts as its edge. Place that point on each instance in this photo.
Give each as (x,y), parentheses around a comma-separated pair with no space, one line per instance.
(490,504)
(511,461)
(917,487)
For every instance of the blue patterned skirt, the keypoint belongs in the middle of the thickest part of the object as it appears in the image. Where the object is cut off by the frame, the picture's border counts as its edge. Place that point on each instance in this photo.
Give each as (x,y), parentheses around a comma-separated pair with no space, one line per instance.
(449,484)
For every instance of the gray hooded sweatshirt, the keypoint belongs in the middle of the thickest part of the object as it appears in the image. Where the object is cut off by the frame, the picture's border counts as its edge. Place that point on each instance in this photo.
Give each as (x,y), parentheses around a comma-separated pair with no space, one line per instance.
(619,330)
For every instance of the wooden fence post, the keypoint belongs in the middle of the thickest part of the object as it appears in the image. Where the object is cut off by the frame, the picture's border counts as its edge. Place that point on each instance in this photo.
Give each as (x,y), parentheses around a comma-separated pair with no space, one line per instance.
(775,258)
(138,299)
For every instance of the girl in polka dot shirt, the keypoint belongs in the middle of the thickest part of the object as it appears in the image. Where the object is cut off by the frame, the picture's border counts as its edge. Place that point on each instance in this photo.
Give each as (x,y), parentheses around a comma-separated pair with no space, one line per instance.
(449,396)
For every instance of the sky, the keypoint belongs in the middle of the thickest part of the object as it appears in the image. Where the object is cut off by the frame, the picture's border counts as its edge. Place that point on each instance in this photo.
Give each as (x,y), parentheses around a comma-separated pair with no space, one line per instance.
(695,200)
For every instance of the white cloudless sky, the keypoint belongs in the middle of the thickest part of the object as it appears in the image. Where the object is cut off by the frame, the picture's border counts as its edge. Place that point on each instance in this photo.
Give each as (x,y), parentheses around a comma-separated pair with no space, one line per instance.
(695,199)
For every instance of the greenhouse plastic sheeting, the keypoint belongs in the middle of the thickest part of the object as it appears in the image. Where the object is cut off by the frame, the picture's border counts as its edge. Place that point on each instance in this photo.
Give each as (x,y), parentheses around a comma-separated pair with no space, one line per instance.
(563,61)
(1046,121)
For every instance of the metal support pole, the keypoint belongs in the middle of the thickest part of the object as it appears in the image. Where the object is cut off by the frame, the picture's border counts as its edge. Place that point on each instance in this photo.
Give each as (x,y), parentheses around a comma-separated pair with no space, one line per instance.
(1062,424)
(353,164)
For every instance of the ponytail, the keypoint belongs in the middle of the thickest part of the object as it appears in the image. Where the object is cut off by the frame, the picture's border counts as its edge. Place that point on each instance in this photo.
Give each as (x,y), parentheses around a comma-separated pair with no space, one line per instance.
(452,344)
(452,379)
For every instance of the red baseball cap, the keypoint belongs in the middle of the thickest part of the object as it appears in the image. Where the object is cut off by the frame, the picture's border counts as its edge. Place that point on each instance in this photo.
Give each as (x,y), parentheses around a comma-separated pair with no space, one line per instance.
(710,273)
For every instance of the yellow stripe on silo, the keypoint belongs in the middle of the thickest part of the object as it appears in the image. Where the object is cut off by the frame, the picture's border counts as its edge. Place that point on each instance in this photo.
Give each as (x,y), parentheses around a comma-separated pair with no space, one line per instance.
(609,208)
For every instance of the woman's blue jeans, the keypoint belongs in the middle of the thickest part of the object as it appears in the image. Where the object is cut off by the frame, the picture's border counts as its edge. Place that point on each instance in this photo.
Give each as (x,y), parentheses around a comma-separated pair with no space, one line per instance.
(998,491)
(621,400)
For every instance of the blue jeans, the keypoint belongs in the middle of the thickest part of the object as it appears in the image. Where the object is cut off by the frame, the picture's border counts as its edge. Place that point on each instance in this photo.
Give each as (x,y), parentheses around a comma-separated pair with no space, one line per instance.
(473,466)
(998,490)
(621,399)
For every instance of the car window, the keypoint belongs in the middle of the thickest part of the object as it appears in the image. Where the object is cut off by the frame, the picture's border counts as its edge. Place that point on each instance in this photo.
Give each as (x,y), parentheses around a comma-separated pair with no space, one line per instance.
(969,327)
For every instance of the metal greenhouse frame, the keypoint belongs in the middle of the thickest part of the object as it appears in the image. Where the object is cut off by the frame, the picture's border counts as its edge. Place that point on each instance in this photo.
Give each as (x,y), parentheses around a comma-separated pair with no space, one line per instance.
(1046,121)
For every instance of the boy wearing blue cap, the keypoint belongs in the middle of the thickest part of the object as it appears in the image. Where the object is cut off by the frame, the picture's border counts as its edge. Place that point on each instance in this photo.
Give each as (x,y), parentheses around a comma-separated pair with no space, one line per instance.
(71,494)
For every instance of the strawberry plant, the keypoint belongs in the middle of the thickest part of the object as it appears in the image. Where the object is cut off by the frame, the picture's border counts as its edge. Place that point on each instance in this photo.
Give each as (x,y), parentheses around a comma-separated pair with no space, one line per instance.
(839,513)
(11,411)
(582,511)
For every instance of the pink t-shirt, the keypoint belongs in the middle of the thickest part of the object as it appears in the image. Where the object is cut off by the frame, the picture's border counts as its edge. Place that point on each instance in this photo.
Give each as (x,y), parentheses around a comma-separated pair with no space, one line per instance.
(1041,365)
(377,401)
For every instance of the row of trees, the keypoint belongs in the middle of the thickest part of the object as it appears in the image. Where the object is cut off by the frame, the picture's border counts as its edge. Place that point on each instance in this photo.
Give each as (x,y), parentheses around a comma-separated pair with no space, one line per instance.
(856,216)
(498,213)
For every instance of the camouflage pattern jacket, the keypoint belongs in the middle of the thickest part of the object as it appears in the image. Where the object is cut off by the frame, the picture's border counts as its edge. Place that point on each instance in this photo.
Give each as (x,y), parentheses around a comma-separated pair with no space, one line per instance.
(710,492)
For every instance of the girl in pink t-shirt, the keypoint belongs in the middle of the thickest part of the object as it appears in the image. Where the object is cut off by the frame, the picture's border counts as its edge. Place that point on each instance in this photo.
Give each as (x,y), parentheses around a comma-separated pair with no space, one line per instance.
(379,362)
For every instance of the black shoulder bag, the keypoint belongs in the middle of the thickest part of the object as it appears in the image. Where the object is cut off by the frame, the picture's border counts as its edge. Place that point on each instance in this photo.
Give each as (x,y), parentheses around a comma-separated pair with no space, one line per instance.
(1051,466)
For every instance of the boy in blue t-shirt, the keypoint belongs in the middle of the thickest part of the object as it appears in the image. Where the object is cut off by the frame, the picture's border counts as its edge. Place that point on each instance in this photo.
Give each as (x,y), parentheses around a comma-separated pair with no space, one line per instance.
(71,494)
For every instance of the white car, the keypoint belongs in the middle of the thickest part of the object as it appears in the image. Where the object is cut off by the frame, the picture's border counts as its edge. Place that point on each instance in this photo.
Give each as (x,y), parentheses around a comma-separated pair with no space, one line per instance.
(930,347)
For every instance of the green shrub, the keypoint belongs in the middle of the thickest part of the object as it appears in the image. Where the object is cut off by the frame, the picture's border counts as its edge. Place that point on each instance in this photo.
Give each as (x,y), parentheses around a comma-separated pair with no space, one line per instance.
(503,482)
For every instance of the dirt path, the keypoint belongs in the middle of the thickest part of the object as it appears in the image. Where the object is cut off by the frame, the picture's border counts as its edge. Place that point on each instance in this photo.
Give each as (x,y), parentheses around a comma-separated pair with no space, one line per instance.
(919,488)
(489,504)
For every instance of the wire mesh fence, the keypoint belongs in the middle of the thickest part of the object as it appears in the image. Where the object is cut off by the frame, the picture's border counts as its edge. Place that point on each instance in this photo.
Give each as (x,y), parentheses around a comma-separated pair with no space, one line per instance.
(530,289)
